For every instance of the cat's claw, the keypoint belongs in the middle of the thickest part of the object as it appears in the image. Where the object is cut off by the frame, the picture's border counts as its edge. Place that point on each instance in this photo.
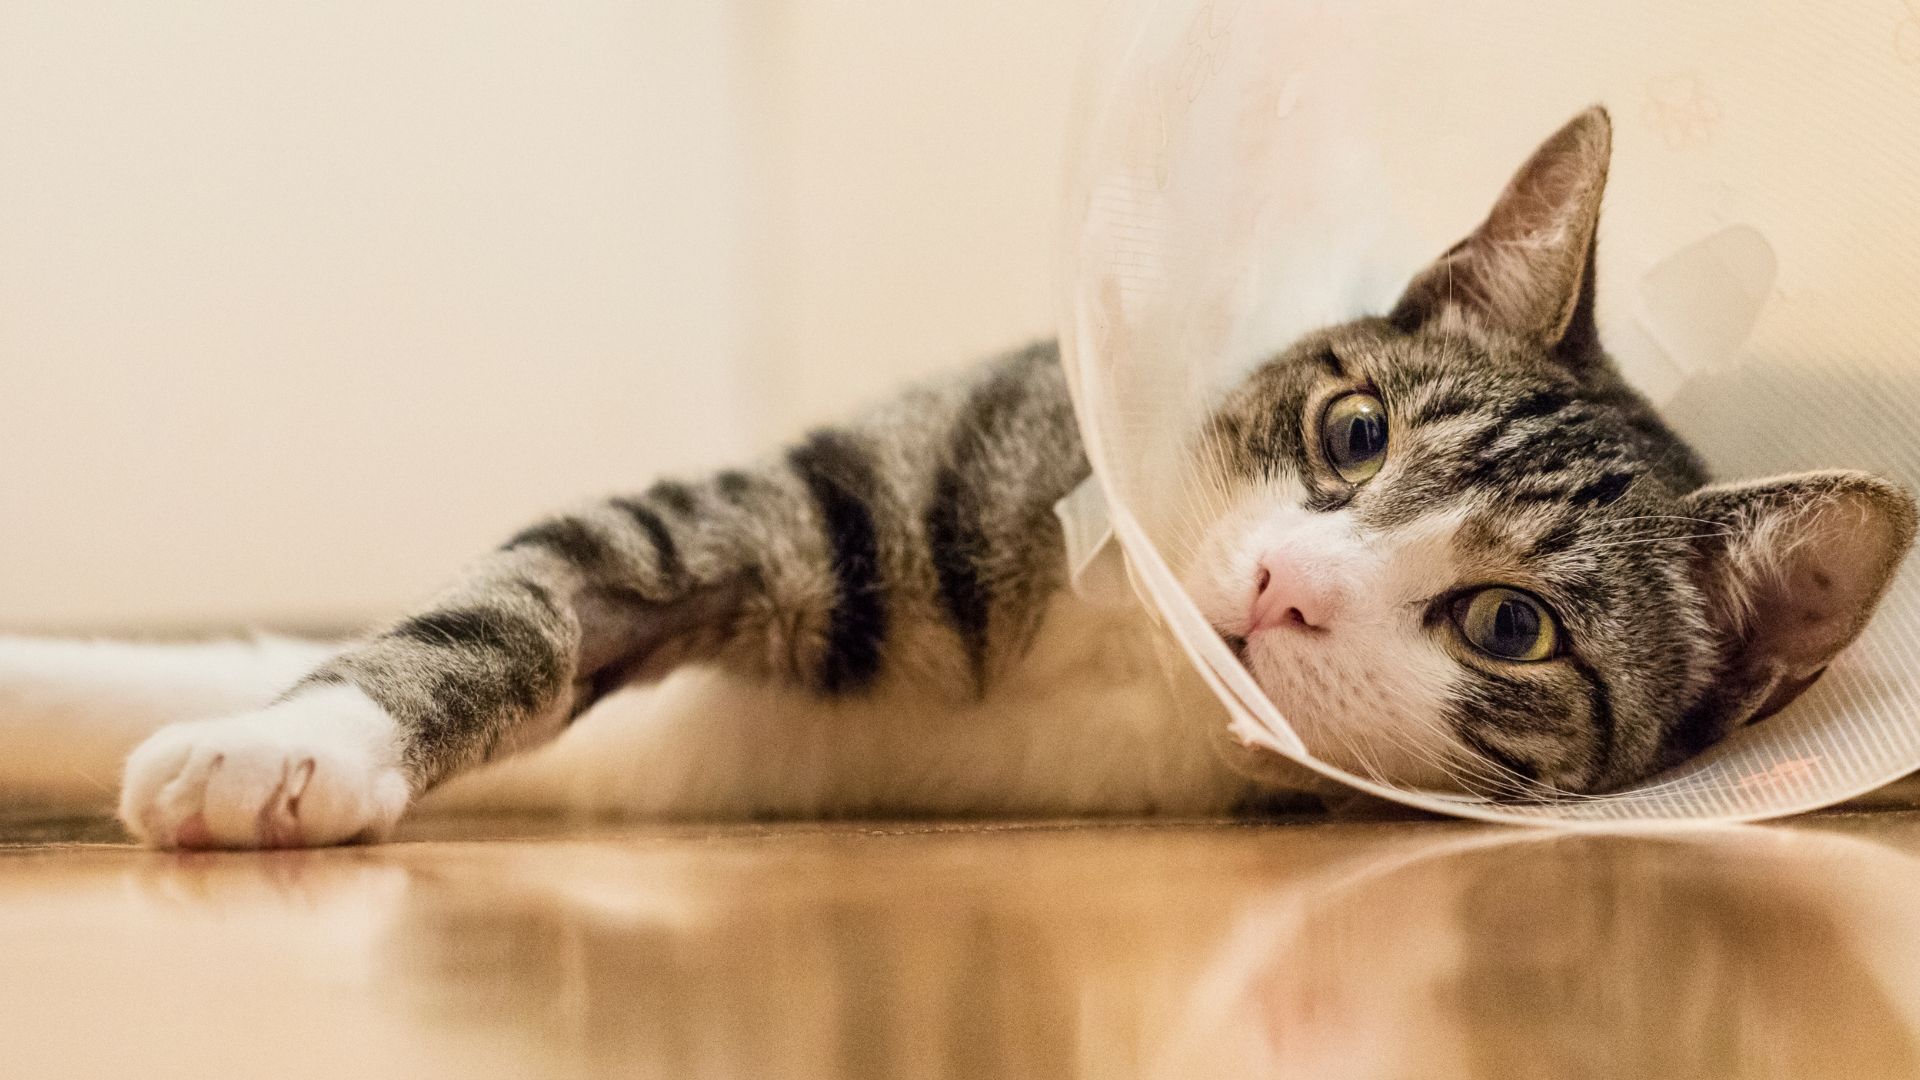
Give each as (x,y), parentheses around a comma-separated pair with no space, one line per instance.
(316,770)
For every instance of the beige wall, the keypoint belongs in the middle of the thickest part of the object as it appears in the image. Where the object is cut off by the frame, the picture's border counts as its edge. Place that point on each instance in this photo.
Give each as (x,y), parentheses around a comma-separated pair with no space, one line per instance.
(301,305)
(916,155)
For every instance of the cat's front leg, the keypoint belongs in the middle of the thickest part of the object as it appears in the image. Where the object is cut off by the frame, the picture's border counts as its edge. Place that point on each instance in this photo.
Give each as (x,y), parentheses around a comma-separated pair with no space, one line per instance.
(920,544)
(565,612)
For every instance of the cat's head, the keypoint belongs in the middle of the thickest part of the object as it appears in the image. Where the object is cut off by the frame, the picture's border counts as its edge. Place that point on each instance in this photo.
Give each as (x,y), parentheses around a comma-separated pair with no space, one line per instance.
(1459,552)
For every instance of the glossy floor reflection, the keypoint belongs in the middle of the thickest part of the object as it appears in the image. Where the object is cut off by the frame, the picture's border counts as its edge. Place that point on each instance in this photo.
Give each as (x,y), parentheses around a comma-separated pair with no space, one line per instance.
(1386,949)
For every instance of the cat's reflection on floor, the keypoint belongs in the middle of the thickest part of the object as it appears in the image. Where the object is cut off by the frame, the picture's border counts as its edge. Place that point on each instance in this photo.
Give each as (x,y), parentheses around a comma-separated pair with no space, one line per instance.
(1483,953)
(1746,953)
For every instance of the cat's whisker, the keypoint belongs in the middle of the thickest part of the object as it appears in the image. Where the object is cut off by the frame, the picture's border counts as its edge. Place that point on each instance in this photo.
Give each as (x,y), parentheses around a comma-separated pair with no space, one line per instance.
(1504,778)
(1471,770)
(1468,771)
(1644,541)
(1370,764)
(1619,523)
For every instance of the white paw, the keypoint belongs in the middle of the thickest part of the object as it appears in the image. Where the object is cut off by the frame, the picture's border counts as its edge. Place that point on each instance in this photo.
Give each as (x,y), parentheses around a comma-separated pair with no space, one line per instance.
(321,768)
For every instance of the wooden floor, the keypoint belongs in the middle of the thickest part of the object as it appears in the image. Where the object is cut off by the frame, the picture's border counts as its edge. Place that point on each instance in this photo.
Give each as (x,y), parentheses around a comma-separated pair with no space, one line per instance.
(1371,949)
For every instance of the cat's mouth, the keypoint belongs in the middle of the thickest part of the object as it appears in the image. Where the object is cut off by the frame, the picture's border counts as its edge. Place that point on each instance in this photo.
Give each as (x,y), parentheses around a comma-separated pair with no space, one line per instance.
(1241,644)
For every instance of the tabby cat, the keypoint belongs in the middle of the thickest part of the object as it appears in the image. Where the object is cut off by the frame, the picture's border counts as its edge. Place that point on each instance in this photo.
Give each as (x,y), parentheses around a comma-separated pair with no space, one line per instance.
(1457,550)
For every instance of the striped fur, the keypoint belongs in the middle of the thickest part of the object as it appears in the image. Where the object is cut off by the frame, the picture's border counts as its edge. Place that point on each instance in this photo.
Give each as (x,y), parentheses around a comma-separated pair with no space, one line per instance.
(914,552)
(918,542)
(1513,431)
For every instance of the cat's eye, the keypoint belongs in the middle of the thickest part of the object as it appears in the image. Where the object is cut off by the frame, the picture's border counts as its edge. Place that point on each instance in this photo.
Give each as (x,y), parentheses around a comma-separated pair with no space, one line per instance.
(1353,431)
(1507,624)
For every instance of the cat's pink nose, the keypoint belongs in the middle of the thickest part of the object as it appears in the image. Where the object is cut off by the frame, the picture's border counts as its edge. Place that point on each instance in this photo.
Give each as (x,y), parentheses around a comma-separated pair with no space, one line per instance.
(1290,593)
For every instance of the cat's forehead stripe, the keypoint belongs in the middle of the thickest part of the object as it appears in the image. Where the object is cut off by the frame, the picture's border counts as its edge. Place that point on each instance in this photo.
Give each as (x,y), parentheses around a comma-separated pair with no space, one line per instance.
(1538,446)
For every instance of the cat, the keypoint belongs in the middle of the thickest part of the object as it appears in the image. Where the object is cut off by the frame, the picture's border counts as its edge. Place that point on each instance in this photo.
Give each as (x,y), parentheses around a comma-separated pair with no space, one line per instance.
(1455,547)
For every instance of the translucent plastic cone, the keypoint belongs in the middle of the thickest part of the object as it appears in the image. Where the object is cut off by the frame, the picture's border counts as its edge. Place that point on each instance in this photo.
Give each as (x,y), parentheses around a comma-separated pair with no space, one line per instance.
(1249,171)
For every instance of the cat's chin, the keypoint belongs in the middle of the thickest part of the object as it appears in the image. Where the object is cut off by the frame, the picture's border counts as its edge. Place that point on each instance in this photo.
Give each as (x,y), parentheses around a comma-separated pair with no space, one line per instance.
(1385,737)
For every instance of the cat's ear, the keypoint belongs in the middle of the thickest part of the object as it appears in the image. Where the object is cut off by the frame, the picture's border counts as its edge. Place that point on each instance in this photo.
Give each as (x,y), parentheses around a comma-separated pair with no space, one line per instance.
(1528,268)
(1792,567)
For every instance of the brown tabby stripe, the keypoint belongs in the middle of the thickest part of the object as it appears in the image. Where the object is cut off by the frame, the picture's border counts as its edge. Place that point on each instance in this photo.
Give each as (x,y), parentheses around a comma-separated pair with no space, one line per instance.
(957,544)
(1514,775)
(666,553)
(734,486)
(570,538)
(957,537)
(840,476)
(677,497)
